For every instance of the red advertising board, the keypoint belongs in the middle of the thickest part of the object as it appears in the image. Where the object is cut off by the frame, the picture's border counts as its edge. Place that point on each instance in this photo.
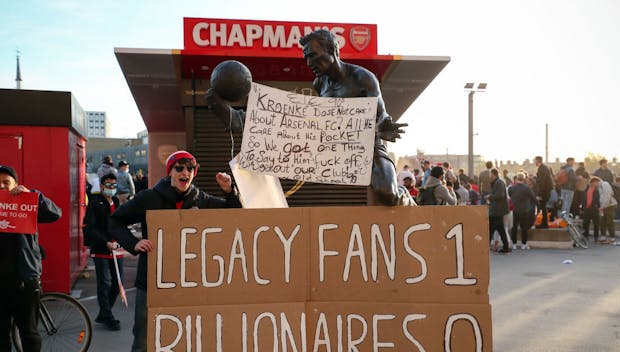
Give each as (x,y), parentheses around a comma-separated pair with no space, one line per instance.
(273,38)
(18,214)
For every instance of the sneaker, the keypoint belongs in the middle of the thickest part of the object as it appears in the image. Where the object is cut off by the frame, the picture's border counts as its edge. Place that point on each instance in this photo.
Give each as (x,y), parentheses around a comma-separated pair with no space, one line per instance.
(100,320)
(542,226)
(514,247)
(504,250)
(525,246)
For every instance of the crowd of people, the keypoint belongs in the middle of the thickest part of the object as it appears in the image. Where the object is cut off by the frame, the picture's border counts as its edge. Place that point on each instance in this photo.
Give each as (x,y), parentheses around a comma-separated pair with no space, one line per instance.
(123,200)
(128,184)
(517,202)
(107,227)
(109,218)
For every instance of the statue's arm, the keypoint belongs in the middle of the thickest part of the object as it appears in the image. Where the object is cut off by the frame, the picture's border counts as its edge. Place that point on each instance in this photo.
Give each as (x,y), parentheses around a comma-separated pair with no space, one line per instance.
(232,118)
(386,128)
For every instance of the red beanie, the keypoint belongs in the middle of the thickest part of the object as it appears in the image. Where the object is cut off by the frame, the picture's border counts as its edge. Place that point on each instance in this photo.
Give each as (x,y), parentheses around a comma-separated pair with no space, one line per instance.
(176,156)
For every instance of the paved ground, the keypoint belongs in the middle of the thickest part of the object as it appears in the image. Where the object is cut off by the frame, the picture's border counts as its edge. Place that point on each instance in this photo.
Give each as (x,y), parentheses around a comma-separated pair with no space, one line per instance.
(539,303)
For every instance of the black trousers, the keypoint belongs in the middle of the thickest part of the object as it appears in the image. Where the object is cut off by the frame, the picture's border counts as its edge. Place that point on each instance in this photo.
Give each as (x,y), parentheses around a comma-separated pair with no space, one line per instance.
(107,286)
(590,215)
(497,223)
(19,301)
(542,205)
(523,220)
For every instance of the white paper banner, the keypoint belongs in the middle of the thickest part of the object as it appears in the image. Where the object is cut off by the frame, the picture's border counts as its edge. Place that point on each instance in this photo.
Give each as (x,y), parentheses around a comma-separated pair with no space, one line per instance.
(257,191)
(301,137)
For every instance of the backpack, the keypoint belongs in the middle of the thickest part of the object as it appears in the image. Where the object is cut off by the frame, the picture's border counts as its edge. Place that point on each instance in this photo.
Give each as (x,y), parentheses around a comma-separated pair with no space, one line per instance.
(561,178)
(426,196)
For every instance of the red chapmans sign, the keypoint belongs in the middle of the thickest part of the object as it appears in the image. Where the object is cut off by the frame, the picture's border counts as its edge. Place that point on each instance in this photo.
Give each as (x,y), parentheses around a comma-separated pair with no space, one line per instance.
(18,214)
(276,38)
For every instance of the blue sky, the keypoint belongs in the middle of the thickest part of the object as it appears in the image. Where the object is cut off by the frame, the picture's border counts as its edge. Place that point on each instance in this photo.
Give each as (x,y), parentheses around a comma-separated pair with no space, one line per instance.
(550,61)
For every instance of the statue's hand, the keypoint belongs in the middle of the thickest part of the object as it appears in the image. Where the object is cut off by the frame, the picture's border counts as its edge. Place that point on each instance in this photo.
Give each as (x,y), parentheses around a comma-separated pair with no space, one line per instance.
(221,109)
(214,101)
(390,131)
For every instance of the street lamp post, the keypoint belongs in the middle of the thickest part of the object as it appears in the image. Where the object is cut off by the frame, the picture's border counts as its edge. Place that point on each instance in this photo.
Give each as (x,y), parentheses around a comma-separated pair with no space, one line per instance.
(469,87)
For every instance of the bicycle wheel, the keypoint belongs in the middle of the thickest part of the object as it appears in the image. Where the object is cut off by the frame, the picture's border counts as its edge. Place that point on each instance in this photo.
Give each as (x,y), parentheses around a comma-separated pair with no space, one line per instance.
(65,325)
(579,239)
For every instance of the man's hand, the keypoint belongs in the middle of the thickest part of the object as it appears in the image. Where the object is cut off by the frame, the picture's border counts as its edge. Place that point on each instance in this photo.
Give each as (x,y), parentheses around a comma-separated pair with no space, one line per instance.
(390,131)
(143,246)
(112,246)
(19,189)
(224,181)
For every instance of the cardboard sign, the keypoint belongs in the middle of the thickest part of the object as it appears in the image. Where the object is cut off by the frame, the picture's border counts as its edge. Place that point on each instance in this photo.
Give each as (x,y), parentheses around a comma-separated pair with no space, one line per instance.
(322,326)
(370,277)
(301,137)
(228,256)
(18,214)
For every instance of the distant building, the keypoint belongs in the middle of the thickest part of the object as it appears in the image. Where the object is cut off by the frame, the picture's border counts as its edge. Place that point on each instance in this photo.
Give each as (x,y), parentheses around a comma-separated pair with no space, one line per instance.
(144,136)
(456,161)
(132,150)
(97,124)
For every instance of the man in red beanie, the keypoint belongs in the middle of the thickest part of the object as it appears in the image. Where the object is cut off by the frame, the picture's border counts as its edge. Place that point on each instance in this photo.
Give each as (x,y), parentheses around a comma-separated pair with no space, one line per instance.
(174,191)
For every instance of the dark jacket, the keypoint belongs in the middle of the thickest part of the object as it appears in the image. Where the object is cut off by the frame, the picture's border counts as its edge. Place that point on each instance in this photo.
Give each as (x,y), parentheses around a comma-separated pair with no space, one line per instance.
(596,199)
(572,178)
(96,234)
(523,198)
(544,181)
(498,201)
(162,196)
(28,252)
(605,175)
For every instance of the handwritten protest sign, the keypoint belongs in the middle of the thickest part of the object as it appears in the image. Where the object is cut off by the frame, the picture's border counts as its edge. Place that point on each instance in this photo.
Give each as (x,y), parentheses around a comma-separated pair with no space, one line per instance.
(319,279)
(18,214)
(300,137)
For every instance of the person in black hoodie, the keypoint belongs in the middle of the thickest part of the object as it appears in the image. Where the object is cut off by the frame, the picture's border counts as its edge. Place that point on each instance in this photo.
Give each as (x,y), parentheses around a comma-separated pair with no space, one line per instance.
(174,191)
(591,205)
(498,207)
(544,185)
(20,270)
(97,237)
(524,202)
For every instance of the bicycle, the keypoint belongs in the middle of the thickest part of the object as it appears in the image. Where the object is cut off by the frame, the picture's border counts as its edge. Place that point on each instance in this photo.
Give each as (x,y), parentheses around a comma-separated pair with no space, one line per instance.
(579,240)
(64,325)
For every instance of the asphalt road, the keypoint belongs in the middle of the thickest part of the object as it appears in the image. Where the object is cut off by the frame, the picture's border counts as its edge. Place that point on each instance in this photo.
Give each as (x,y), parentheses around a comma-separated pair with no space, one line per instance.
(539,303)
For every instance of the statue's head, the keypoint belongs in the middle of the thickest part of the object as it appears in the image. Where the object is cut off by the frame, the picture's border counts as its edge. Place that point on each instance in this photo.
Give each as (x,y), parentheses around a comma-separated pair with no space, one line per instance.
(326,39)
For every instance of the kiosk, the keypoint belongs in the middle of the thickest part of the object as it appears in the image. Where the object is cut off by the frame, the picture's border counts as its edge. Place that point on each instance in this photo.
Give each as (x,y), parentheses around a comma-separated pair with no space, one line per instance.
(169,85)
(42,137)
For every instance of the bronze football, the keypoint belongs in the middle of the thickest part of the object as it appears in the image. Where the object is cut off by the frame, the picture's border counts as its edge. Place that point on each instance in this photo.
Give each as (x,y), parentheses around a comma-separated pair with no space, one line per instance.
(231,80)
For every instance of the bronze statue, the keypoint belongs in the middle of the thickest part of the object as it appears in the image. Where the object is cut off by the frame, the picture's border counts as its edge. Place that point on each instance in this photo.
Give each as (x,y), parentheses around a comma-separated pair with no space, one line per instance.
(335,78)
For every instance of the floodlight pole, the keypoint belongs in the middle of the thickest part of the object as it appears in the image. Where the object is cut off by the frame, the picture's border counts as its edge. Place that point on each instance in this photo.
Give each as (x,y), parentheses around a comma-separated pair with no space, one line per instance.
(470,149)
(470,99)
